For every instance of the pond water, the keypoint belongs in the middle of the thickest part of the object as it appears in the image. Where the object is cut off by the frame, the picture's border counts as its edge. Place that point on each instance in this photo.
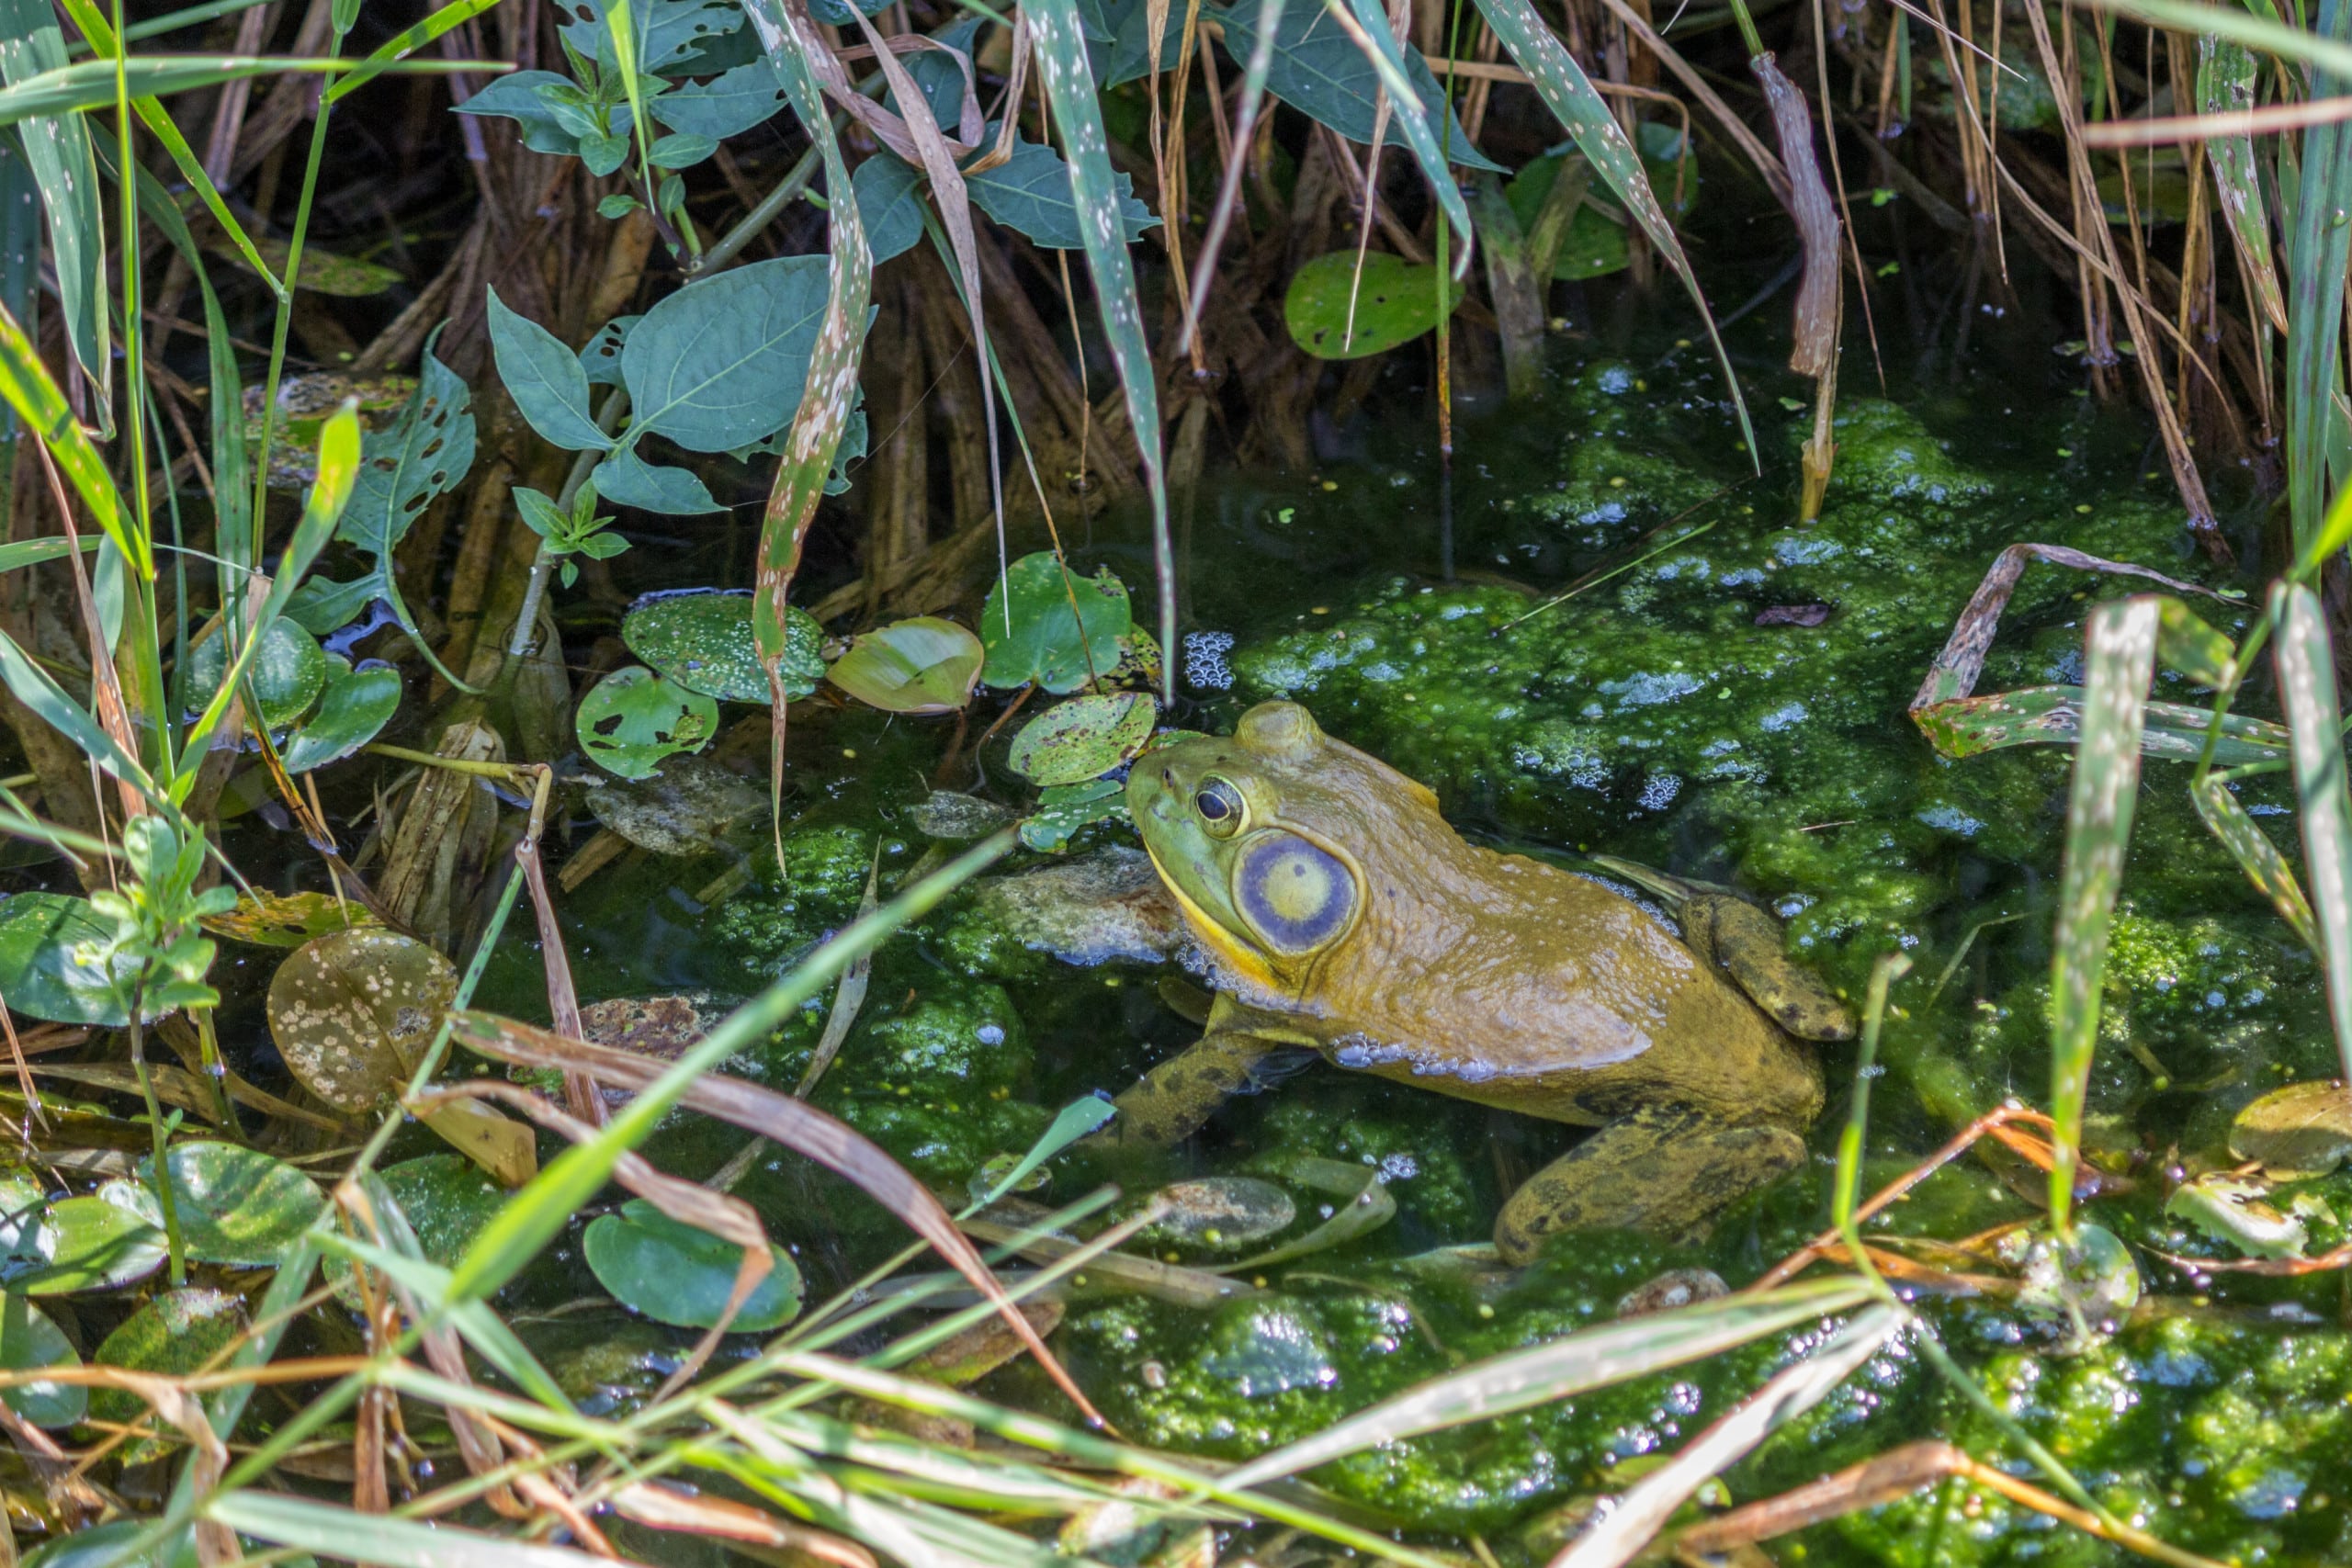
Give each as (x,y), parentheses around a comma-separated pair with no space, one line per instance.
(1724,697)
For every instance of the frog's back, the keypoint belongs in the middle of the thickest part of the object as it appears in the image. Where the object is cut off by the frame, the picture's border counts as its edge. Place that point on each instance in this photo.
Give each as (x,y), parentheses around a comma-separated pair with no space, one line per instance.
(1501,979)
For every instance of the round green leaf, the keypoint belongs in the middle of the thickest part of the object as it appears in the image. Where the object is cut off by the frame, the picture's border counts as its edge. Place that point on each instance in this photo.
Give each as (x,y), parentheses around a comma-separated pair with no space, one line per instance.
(174,1334)
(2302,1130)
(1395,303)
(29,1340)
(287,919)
(701,638)
(447,1200)
(24,1210)
(92,1244)
(1063,809)
(1083,737)
(39,975)
(287,677)
(353,709)
(237,1206)
(352,1012)
(633,718)
(924,665)
(676,1274)
(1046,643)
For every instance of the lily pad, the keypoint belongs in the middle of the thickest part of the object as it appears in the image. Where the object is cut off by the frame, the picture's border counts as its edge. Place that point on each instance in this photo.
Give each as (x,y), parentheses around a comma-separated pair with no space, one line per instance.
(676,1274)
(683,809)
(448,1201)
(634,717)
(1046,642)
(2095,1278)
(702,640)
(238,1206)
(924,665)
(353,710)
(1394,302)
(28,1340)
(174,1334)
(287,676)
(39,975)
(24,1206)
(1083,737)
(92,1244)
(2238,1212)
(353,1012)
(288,919)
(2304,1129)
(1063,809)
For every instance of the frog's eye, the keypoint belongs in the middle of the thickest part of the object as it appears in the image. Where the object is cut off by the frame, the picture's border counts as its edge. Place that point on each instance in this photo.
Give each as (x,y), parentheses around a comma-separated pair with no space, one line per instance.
(1298,897)
(1220,807)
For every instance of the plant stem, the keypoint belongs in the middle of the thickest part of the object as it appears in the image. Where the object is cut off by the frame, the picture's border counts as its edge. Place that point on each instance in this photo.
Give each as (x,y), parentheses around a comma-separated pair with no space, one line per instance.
(526,619)
(172,1249)
(787,189)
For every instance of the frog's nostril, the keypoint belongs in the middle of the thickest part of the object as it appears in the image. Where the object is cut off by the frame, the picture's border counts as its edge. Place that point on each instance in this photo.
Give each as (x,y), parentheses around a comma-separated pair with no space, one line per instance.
(1168,777)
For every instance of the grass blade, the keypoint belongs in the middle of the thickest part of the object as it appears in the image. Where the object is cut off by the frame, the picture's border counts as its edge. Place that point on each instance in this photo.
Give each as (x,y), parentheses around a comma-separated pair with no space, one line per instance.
(379,1539)
(538,1214)
(1569,94)
(91,85)
(35,689)
(831,390)
(1591,1358)
(1245,126)
(1642,1511)
(2307,692)
(166,131)
(25,383)
(393,51)
(64,166)
(1069,84)
(338,474)
(1367,24)
(2318,248)
(2225,82)
(2119,653)
(231,501)
(2272,876)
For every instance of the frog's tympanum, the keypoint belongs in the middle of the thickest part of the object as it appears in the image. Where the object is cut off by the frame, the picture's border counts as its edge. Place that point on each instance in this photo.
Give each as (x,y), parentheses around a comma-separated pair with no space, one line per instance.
(1337,911)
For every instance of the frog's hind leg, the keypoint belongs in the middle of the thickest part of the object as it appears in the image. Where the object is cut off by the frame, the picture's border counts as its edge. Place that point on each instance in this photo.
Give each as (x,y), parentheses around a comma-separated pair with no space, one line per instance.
(1170,1102)
(1662,1171)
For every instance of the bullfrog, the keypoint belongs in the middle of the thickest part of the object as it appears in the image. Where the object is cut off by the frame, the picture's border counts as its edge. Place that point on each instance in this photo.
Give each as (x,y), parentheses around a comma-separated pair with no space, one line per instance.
(1334,909)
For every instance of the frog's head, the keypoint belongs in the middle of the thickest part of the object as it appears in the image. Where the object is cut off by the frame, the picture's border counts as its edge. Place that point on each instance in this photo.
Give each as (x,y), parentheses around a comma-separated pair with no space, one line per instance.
(1270,840)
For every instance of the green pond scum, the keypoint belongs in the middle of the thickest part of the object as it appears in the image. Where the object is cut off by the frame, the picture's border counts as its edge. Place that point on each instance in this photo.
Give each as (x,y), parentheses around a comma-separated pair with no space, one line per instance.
(1725,695)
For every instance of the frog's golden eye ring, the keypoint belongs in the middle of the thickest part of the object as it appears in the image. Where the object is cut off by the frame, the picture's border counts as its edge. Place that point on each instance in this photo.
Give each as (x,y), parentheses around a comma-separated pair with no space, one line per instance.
(1220,807)
(1296,897)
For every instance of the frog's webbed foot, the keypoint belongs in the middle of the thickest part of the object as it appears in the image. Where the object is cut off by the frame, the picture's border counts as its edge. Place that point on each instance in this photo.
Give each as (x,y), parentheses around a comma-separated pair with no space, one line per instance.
(1168,1103)
(1721,926)
(1662,1171)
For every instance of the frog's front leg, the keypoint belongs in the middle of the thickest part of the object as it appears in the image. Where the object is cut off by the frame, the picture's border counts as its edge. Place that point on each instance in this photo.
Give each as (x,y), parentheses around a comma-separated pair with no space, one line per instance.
(1170,1103)
(1662,1171)
(1727,929)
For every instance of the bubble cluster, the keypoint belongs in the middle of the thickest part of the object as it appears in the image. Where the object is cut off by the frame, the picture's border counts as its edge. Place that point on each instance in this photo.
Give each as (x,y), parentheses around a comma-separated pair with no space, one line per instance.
(1205,667)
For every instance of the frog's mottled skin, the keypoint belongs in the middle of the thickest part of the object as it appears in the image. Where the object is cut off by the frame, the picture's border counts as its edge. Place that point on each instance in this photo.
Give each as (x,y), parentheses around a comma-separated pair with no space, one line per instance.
(1338,911)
